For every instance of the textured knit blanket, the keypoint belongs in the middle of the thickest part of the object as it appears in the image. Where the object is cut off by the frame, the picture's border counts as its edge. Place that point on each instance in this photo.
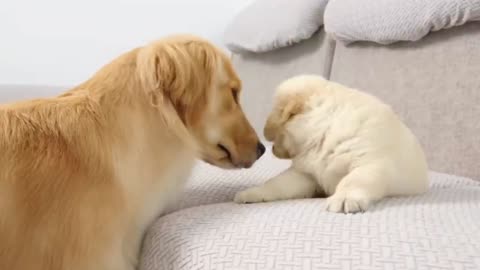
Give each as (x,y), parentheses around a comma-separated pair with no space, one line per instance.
(437,230)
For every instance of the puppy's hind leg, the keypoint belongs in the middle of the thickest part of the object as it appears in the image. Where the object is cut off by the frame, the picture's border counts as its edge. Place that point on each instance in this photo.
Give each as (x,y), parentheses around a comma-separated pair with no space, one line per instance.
(290,184)
(359,188)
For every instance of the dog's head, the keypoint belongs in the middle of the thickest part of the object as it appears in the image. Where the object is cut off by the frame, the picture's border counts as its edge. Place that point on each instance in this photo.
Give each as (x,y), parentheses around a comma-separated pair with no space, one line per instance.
(285,125)
(196,90)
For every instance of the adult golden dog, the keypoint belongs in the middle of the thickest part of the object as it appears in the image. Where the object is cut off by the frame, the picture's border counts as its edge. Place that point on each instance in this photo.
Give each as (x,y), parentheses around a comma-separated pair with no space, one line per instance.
(83,174)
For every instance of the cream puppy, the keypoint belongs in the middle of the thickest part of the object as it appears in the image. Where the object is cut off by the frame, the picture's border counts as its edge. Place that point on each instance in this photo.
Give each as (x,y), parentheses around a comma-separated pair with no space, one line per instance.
(343,143)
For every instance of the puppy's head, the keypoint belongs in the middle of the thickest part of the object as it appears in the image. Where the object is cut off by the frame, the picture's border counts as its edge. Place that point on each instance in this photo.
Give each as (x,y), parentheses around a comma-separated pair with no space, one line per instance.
(196,89)
(285,121)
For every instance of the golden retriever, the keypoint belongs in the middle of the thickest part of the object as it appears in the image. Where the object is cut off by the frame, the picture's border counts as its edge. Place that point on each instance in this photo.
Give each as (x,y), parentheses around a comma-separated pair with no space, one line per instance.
(83,174)
(343,143)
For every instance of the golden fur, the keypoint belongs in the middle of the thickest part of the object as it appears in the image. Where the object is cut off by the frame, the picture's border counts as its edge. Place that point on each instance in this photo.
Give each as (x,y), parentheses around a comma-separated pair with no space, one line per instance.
(84,173)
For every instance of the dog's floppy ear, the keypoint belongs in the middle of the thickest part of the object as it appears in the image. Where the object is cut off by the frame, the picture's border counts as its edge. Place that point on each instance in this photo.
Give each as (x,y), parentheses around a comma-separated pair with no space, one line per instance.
(181,70)
(164,81)
(176,74)
(158,70)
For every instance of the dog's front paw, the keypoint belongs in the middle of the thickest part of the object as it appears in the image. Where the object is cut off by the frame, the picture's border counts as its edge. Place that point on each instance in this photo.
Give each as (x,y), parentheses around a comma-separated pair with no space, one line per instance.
(348,202)
(252,195)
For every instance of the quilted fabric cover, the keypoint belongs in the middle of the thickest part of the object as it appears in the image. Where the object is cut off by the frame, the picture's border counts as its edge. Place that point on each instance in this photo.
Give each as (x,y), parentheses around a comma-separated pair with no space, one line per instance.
(266,25)
(438,230)
(388,21)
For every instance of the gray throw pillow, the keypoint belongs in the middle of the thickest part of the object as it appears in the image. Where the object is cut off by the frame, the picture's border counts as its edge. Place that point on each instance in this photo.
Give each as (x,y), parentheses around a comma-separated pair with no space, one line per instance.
(388,21)
(266,25)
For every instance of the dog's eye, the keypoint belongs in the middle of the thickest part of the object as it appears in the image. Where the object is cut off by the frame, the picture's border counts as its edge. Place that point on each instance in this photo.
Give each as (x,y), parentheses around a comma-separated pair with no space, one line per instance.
(235,95)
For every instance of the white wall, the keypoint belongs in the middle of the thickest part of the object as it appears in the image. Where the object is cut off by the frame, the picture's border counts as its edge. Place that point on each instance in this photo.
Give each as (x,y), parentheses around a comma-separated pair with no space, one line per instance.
(60,42)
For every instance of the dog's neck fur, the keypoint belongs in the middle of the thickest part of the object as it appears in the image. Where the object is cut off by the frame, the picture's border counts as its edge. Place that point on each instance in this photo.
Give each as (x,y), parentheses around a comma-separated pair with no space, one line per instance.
(141,151)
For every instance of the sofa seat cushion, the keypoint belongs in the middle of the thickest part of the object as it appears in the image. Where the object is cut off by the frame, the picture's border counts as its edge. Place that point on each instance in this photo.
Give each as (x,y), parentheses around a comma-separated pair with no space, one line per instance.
(388,21)
(266,25)
(437,230)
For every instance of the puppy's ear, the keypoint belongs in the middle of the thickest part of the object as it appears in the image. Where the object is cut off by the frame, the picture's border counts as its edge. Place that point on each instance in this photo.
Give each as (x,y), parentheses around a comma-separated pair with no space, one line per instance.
(293,106)
(287,109)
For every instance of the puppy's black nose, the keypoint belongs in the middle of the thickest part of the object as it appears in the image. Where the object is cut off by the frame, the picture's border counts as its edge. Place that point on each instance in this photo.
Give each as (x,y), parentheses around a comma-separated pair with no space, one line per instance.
(260,150)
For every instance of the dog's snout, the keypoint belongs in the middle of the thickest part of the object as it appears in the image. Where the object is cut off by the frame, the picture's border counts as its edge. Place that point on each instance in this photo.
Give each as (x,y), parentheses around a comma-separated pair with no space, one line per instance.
(260,150)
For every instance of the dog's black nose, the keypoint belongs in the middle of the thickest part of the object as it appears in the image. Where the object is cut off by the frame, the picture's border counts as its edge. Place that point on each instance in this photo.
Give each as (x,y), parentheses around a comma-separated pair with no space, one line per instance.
(260,150)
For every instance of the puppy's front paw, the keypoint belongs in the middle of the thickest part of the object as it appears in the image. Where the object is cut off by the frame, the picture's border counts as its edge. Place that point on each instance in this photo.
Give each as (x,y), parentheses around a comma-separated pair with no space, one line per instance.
(252,195)
(348,202)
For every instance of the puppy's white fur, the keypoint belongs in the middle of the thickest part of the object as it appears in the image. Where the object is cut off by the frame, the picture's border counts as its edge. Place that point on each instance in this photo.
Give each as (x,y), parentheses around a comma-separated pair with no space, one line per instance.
(343,143)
